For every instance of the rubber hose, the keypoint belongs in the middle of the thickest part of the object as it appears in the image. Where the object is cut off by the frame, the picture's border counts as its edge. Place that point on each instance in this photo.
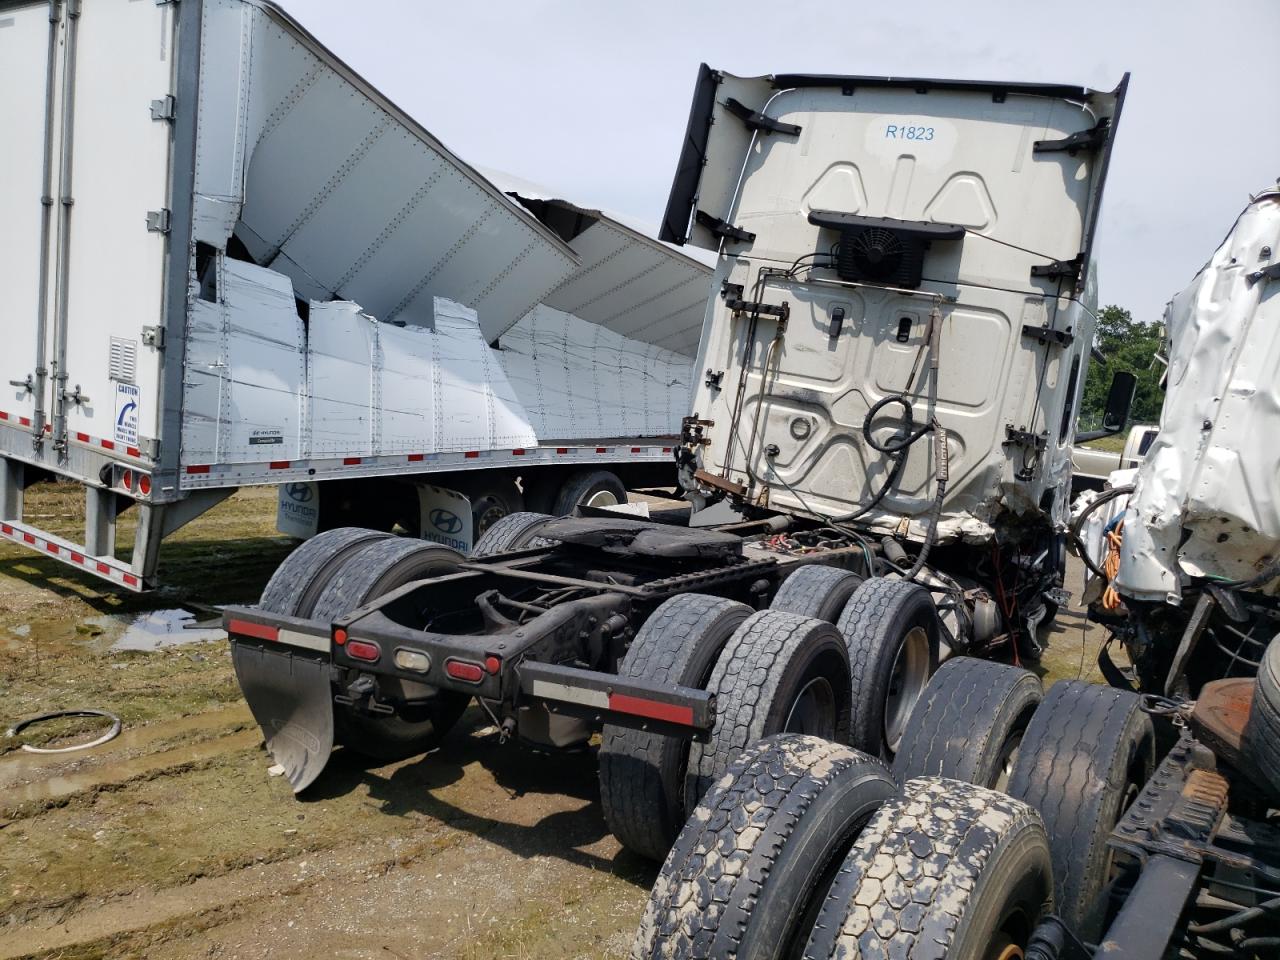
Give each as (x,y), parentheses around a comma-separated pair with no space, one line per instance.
(1076,526)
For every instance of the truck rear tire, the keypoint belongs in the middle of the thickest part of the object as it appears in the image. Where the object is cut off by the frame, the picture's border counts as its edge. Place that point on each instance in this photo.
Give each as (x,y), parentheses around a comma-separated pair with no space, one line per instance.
(641,773)
(954,869)
(366,575)
(595,488)
(892,631)
(969,723)
(756,856)
(298,582)
(515,531)
(1261,738)
(1084,758)
(779,673)
(816,591)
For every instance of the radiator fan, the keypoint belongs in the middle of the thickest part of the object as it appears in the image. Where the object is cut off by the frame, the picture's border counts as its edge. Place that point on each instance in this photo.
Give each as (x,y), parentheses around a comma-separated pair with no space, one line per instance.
(880,249)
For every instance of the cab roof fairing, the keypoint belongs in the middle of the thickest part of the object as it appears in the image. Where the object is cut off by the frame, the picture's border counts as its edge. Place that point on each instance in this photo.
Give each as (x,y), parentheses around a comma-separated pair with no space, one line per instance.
(692,194)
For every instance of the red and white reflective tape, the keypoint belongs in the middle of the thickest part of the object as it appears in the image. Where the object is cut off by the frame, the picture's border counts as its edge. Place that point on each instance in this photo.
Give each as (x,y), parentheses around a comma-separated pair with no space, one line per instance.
(264,631)
(76,436)
(617,702)
(276,471)
(72,554)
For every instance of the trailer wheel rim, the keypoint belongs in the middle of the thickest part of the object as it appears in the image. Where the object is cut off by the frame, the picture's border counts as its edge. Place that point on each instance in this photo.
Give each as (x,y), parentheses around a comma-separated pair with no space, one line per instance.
(490,512)
(1003,948)
(602,498)
(1008,756)
(813,711)
(907,681)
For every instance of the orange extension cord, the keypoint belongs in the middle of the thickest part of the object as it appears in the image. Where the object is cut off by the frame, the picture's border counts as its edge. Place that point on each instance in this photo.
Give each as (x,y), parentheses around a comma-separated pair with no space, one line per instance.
(1111,566)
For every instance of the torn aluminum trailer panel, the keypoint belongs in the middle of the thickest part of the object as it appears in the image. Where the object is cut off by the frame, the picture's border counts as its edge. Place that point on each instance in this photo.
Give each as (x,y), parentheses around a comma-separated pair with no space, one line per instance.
(1003,181)
(327,182)
(1207,502)
(627,282)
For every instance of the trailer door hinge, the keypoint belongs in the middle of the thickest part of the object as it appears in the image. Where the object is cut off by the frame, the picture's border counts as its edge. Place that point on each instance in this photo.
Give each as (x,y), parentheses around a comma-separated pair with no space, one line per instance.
(714,377)
(163,108)
(1062,338)
(153,337)
(158,220)
(722,228)
(1089,139)
(1058,269)
(754,120)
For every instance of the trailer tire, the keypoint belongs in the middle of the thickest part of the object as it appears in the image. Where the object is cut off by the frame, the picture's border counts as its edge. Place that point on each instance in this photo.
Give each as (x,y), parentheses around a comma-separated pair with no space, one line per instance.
(947,869)
(515,531)
(752,863)
(969,723)
(892,630)
(779,673)
(298,582)
(598,488)
(1261,739)
(1085,756)
(642,773)
(368,574)
(816,591)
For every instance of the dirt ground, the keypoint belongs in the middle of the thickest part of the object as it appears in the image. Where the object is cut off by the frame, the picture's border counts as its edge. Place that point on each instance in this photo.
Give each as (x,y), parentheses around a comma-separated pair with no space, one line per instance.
(173,841)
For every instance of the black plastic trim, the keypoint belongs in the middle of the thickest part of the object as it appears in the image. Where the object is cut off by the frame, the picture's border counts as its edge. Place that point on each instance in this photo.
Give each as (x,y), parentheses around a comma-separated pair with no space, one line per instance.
(693,153)
(919,228)
(998,89)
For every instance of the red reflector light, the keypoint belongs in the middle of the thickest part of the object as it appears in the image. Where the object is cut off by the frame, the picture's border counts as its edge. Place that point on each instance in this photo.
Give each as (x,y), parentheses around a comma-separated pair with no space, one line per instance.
(363,650)
(464,670)
(127,480)
(339,636)
(144,485)
(492,664)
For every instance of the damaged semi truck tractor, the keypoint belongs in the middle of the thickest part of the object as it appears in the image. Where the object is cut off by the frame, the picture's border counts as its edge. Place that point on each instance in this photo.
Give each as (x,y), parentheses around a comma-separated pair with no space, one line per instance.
(894,351)
(1135,820)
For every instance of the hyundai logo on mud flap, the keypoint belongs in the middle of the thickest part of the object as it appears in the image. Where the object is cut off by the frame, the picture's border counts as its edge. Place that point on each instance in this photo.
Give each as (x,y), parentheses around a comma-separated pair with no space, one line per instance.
(299,492)
(446,521)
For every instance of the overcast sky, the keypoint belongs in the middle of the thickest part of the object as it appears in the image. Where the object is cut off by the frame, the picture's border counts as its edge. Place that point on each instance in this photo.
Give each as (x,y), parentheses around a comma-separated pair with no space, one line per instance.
(591,97)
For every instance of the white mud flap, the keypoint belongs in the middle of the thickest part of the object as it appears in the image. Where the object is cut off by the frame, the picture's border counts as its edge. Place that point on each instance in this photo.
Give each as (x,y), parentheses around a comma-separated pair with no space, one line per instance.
(446,517)
(289,695)
(298,510)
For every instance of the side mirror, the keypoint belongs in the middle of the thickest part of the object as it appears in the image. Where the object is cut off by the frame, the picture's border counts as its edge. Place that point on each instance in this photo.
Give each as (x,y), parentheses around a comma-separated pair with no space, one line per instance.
(1115,415)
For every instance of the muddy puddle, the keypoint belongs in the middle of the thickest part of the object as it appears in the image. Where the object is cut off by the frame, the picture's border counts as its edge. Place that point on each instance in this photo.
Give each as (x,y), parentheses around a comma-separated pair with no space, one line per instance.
(108,632)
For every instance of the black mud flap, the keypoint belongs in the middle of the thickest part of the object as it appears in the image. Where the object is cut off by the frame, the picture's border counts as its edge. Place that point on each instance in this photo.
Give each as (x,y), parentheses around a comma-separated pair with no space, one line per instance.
(289,695)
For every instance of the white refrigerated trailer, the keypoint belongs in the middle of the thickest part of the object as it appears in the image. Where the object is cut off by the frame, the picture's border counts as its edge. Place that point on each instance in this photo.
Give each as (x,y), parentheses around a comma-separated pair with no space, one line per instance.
(227,260)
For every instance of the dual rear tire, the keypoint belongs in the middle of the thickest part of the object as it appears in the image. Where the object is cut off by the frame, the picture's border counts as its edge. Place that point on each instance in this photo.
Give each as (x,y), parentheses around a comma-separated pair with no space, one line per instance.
(804,848)
(345,568)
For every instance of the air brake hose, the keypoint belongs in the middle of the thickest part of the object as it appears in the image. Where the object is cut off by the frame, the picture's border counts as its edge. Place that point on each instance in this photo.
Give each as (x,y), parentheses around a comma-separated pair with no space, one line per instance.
(1078,524)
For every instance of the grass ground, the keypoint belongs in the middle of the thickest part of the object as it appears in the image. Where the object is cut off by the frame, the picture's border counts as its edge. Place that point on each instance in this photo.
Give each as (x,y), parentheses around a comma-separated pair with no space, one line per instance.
(173,841)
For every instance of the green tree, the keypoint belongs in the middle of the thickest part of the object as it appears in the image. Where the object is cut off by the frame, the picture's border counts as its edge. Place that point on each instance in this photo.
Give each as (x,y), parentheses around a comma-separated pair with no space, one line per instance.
(1128,345)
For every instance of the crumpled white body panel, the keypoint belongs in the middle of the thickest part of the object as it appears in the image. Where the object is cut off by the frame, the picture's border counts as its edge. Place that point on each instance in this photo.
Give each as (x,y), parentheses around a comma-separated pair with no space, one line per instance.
(1207,501)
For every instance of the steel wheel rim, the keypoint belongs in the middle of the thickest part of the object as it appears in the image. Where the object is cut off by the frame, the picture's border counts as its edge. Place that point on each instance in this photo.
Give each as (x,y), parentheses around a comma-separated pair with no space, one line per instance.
(1008,755)
(602,498)
(489,514)
(813,710)
(907,681)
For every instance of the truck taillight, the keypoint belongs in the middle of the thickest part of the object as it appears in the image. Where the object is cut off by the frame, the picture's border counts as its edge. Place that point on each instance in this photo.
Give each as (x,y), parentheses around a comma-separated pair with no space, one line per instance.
(363,650)
(126,480)
(144,484)
(464,670)
(492,664)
